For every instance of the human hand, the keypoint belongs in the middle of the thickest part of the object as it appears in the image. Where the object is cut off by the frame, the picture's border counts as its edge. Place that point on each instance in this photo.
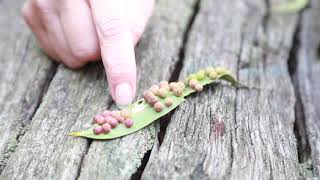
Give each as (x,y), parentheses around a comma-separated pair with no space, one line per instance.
(76,32)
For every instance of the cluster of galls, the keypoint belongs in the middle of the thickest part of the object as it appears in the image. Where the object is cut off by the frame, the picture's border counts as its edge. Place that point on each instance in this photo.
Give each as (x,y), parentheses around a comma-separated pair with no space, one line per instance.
(152,96)
(160,91)
(110,119)
(193,80)
(212,73)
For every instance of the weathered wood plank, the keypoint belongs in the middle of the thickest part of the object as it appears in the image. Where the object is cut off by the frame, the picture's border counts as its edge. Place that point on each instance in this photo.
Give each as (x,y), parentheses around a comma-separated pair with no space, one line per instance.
(24,75)
(257,141)
(308,72)
(74,97)
(157,54)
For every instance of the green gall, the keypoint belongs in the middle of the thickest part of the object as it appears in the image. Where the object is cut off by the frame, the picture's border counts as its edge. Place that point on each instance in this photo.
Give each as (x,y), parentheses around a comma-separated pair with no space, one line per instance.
(200,75)
(213,75)
(209,69)
(192,76)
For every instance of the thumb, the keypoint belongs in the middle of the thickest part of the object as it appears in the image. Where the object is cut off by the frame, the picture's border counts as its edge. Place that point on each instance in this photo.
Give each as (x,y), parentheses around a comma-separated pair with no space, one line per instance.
(117,48)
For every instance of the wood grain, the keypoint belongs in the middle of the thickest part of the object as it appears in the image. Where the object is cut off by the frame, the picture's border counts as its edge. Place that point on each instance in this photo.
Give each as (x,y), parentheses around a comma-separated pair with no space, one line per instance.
(307,74)
(221,133)
(158,54)
(229,133)
(24,74)
(75,96)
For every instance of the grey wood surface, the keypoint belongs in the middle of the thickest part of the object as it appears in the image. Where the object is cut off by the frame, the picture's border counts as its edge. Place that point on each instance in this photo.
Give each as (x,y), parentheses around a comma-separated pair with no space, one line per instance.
(257,141)
(307,76)
(73,98)
(24,75)
(221,133)
(158,54)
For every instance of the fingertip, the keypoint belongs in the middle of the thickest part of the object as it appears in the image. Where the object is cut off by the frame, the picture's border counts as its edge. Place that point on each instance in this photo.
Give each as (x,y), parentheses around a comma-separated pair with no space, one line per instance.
(123,95)
(122,85)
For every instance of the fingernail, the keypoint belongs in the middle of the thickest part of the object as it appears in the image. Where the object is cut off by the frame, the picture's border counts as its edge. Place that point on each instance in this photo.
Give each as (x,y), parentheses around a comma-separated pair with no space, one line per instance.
(123,95)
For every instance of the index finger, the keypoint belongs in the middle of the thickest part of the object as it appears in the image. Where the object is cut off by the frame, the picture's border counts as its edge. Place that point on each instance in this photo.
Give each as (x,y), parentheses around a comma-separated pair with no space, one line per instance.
(117,48)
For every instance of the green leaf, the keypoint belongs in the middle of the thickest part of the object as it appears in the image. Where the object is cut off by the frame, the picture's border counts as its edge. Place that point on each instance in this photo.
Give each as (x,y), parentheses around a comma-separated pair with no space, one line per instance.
(143,114)
(292,6)
(225,76)
(232,80)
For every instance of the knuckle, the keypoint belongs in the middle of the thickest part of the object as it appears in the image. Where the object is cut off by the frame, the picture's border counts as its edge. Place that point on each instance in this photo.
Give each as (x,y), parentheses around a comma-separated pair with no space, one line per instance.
(42,6)
(39,4)
(83,52)
(120,69)
(111,27)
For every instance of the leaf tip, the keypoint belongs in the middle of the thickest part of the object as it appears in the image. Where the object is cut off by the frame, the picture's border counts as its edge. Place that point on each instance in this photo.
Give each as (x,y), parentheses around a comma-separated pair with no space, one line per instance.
(75,134)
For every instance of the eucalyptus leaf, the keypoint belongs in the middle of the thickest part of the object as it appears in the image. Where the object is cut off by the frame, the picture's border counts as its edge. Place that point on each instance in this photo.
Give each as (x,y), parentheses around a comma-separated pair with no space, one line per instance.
(143,114)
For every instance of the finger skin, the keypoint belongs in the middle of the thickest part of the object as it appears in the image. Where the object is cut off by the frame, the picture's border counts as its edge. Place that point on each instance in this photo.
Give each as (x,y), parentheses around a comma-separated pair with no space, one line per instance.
(37,28)
(79,31)
(60,44)
(116,42)
(77,23)
(47,11)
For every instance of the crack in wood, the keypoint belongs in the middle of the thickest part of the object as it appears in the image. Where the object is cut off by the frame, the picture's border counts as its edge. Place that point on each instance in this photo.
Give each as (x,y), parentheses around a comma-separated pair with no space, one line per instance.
(164,121)
(266,16)
(176,72)
(318,51)
(303,147)
(88,144)
(138,174)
